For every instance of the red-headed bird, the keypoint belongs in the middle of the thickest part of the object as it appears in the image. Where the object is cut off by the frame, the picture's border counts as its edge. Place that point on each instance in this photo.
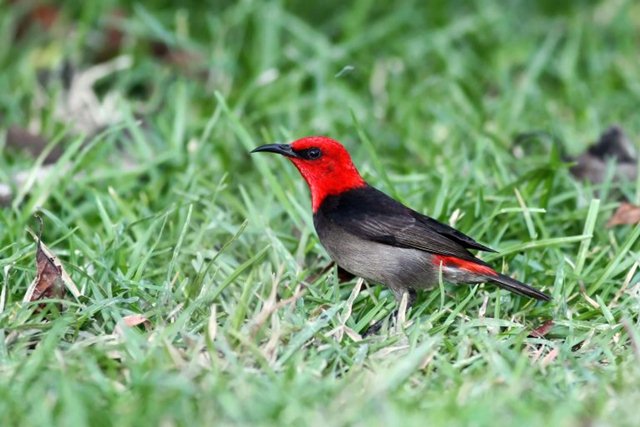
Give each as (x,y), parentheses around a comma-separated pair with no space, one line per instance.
(373,236)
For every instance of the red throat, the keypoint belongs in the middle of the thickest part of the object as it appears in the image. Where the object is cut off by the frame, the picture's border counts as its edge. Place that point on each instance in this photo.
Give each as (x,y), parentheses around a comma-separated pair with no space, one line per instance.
(331,174)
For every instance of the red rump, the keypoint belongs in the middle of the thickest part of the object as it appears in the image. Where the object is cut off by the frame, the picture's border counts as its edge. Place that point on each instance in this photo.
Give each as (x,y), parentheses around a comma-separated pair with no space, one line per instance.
(450,261)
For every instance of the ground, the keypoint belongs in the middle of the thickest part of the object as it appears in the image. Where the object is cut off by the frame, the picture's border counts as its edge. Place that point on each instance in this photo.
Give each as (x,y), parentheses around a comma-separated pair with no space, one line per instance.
(205,294)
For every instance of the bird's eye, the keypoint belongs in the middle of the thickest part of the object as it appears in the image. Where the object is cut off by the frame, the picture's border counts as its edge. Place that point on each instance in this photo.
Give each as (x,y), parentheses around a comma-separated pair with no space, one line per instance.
(313,153)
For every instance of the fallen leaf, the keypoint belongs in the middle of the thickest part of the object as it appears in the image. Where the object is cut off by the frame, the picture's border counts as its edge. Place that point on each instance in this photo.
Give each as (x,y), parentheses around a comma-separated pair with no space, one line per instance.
(29,142)
(188,61)
(131,321)
(51,278)
(612,146)
(542,330)
(135,320)
(550,357)
(40,18)
(111,38)
(626,214)
(48,282)
(614,143)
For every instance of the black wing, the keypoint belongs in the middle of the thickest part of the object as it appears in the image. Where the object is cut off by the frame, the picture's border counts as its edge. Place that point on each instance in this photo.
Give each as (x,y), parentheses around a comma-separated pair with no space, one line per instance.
(372,215)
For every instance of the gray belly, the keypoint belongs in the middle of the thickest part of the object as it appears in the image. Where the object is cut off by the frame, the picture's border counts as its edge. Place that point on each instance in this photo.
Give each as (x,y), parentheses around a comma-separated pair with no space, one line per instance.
(398,268)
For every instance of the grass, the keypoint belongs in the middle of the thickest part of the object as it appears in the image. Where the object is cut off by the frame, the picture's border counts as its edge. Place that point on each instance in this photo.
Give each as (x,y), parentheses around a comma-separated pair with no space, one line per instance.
(460,109)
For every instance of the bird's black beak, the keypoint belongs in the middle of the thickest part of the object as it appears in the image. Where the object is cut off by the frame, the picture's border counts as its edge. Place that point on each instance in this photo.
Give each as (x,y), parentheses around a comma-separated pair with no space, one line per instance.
(284,149)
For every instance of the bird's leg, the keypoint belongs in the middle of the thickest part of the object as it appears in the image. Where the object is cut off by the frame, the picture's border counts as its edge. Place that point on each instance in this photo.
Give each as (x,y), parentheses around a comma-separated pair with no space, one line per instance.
(399,313)
(344,275)
(411,297)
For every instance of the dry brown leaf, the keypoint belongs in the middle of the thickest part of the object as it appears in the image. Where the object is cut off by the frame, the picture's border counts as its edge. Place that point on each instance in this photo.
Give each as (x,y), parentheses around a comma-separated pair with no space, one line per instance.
(542,330)
(39,17)
(189,62)
(48,281)
(612,146)
(131,321)
(51,278)
(626,214)
(111,38)
(135,320)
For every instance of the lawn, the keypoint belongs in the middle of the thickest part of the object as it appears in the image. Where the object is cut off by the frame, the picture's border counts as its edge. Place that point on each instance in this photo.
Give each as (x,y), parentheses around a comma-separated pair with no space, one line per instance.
(205,295)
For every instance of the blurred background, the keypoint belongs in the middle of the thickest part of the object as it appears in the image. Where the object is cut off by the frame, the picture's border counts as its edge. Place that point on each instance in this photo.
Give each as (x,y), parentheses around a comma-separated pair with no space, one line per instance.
(149,90)
(127,126)
(418,75)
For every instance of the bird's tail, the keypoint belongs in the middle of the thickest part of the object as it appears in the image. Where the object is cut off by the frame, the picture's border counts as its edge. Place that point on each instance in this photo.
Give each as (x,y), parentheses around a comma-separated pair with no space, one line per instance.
(506,282)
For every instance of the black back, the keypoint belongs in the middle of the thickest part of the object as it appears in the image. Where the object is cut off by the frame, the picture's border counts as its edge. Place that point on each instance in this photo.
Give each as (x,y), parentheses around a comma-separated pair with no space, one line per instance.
(372,215)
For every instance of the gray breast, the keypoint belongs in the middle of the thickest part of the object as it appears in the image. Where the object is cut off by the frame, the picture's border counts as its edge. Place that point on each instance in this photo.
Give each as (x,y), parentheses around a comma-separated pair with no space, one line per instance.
(398,268)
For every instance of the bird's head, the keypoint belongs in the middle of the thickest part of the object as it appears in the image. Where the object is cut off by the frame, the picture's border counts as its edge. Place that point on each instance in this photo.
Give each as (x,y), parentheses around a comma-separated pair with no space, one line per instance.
(323,162)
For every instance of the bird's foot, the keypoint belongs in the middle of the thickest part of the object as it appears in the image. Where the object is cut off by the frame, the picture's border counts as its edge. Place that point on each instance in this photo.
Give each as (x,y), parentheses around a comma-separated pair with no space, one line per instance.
(399,315)
(377,326)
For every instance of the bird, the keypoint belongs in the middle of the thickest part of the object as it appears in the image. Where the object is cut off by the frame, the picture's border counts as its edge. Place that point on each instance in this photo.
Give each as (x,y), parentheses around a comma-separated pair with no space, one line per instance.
(373,236)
